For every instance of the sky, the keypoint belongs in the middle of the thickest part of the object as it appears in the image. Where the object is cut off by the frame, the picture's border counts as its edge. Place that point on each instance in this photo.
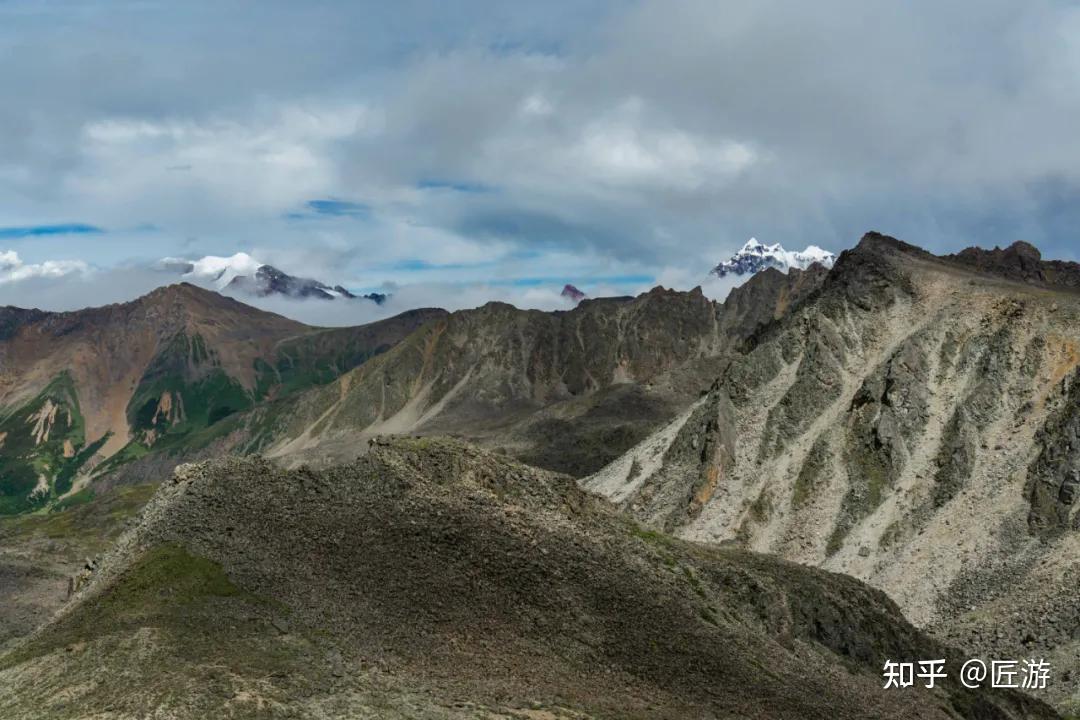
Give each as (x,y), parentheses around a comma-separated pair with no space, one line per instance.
(453,153)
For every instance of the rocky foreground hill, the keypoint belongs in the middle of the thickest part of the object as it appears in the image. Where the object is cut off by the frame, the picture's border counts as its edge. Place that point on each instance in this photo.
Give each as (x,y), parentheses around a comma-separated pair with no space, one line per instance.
(913,425)
(433,579)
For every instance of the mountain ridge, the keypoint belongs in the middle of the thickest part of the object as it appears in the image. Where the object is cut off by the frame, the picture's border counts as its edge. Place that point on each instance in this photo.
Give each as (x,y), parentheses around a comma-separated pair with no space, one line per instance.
(908,425)
(121,378)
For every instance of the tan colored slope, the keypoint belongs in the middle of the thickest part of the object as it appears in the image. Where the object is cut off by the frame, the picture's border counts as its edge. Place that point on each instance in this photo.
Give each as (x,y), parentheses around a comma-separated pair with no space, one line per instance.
(888,431)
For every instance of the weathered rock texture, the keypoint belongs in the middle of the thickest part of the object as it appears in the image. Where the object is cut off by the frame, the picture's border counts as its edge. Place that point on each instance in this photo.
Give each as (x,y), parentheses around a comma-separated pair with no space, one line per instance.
(914,423)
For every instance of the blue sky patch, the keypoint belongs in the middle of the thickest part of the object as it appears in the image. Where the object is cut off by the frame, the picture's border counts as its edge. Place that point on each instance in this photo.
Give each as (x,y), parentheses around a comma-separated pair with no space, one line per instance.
(8,233)
(418,265)
(331,208)
(461,186)
(602,279)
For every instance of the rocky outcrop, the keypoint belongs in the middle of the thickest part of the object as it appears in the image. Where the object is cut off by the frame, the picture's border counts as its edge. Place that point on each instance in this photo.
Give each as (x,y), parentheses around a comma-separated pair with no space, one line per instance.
(1054,477)
(1020,261)
(767,297)
(581,386)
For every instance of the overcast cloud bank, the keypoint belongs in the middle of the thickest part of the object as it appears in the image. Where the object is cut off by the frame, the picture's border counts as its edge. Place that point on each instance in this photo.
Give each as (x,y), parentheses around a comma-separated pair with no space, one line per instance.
(499,150)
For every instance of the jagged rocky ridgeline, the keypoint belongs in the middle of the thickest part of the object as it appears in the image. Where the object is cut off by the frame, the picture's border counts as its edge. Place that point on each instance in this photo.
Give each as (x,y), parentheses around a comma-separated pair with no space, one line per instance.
(914,424)
(433,579)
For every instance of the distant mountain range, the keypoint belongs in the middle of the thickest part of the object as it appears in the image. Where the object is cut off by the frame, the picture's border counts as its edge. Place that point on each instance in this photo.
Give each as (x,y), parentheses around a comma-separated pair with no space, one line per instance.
(241,274)
(755,257)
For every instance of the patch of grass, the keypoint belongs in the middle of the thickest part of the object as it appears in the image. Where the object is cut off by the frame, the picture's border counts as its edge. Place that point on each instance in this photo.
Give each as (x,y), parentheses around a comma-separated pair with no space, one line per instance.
(131,451)
(70,469)
(201,392)
(80,498)
(167,587)
(708,615)
(313,359)
(88,526)
(694,582)
(653,537)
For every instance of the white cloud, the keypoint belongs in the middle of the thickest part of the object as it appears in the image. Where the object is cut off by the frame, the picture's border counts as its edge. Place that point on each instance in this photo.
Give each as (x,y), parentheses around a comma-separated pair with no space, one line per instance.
(13,269)
(620,152)
(594,142)
(195,173)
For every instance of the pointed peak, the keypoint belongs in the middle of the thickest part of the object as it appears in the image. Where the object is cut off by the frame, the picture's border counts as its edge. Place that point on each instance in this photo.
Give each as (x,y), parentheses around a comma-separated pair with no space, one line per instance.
(755,257)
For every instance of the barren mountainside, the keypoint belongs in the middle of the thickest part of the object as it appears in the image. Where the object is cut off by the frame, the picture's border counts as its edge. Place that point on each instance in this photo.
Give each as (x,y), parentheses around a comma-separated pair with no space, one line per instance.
(914,426)
(566,390)
(431,579)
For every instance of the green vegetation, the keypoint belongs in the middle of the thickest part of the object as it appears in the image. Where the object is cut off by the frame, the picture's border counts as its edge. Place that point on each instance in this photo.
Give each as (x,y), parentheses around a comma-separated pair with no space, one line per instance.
(311,360)
(83,496)
(160,589)
(42,447)
(89,521)
(199,635)
(811,473)
(131,451)
(68,471)
(870,475)
(182,394)
(762,507)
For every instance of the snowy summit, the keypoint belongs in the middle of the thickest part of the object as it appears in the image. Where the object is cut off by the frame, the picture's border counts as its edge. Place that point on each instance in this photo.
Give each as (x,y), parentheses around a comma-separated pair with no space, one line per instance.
(755,257)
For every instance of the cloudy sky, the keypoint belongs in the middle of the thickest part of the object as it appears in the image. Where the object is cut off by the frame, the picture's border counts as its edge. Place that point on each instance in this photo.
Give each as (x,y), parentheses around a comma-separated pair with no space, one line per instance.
(455,152)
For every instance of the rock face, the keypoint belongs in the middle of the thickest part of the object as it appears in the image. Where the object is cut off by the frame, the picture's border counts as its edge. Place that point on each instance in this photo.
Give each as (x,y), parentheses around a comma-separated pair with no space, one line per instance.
(568,391)
(767,297)
(186,373)
(431,579)
(913,423)
(1020,261)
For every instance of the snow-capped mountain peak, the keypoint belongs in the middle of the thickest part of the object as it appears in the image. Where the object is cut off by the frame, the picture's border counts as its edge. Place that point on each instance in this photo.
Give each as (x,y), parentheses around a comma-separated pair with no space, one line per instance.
(223,270)
(242,274)
(212,269)
(755,256)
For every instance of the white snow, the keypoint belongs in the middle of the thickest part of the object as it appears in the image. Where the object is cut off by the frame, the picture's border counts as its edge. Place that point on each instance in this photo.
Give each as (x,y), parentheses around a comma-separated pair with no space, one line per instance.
(758,256)
(220,271)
